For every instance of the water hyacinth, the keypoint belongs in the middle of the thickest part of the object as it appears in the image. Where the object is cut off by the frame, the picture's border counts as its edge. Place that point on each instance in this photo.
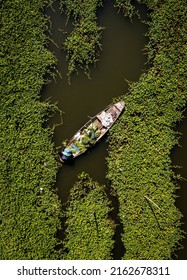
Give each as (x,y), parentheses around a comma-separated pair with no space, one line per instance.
(139,164)
(29,208)
(89,233)
(83,44)
(140,143)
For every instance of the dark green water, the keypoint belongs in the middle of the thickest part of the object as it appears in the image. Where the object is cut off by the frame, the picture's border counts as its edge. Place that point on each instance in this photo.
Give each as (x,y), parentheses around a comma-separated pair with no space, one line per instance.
(122,58)
(179,158)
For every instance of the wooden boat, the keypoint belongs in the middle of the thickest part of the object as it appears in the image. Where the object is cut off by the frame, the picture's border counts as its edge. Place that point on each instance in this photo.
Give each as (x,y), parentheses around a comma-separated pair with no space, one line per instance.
(89,134)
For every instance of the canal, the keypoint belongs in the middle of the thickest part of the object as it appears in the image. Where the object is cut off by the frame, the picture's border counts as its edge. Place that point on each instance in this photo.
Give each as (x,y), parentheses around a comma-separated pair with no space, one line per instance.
(122,58)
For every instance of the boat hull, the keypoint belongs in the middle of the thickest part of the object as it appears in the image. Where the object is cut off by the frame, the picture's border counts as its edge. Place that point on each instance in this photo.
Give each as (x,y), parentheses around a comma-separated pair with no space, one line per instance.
(89,134)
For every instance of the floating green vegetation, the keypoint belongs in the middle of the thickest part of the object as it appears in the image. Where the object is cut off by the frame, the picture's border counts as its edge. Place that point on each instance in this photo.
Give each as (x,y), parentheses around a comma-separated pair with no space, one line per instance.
(126,6)
(89,230)
(140,143)
(29,208)
(83,44)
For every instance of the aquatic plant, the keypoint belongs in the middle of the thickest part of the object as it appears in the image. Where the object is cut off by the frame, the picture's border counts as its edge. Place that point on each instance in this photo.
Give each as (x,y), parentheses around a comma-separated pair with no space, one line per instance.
(83,44)
(89,233)
(29,208)
(126,6)
(140,143)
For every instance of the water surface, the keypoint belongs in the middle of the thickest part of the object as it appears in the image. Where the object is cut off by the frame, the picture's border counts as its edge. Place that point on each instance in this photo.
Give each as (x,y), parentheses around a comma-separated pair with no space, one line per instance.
(122,58)
(179,158)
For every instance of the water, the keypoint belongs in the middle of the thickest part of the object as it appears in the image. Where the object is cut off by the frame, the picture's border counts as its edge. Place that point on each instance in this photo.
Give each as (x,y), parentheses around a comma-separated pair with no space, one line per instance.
(179,158)
(121,59)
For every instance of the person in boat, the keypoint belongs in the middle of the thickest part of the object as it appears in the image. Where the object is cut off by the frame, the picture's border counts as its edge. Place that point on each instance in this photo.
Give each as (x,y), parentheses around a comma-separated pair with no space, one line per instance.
(66,154)
(89,137)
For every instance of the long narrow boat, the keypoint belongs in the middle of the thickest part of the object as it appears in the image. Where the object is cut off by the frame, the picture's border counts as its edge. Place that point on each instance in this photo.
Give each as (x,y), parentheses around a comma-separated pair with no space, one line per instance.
(89,134)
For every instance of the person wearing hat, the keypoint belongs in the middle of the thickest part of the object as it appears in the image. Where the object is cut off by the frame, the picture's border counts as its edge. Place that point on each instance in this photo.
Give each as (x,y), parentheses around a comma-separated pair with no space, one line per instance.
(66,154)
